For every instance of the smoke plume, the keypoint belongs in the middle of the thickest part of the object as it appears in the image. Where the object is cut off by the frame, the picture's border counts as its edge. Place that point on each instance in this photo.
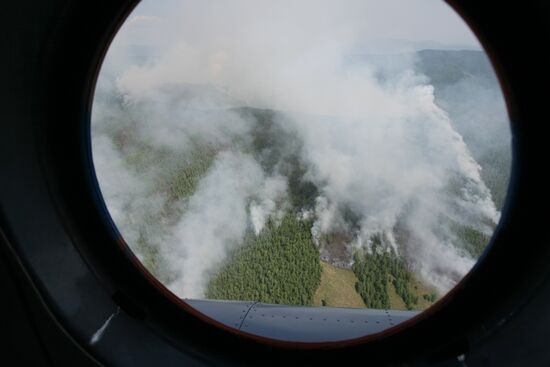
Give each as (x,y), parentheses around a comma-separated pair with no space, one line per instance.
(386,159)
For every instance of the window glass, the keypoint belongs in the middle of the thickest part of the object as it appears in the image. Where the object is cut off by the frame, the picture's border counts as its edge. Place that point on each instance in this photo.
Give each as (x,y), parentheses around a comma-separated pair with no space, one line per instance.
(318,153)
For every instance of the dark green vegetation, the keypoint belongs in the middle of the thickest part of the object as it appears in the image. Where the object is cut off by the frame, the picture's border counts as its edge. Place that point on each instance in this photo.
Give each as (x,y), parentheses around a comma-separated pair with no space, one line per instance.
(375,271)
(280,265)
(430,297)
(184,181)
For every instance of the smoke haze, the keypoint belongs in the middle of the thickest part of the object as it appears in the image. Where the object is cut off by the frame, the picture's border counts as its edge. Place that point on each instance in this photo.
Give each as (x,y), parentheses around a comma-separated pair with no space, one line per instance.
(387,160)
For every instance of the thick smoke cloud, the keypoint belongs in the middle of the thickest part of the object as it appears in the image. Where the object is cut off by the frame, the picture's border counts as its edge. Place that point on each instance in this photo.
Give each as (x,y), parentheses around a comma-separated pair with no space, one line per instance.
(216,218)
(380,148)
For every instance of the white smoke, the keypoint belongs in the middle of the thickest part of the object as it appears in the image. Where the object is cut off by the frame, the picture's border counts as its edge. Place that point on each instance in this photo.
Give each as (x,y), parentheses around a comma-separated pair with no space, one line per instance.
(398,167)
(121,189)
(380,148)
(271,193)
(215,220)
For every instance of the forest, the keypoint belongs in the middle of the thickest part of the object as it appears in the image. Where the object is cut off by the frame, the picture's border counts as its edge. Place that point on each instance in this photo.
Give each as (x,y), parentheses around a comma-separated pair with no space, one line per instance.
(282,263)
(374,273)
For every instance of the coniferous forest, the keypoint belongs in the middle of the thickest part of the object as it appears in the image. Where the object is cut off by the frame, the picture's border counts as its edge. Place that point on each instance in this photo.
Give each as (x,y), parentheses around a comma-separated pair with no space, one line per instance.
(297,242)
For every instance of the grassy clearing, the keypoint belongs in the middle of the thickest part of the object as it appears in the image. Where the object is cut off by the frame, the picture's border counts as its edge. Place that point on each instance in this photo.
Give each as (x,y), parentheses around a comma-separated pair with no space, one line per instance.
(337,288)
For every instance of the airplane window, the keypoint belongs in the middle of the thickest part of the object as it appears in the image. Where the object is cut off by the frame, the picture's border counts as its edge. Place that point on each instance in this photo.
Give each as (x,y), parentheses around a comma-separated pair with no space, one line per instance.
(351,156)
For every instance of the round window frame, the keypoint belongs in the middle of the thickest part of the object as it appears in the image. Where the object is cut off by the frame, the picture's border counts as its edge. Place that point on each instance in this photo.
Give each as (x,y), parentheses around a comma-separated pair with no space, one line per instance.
(305,345)
(68,171)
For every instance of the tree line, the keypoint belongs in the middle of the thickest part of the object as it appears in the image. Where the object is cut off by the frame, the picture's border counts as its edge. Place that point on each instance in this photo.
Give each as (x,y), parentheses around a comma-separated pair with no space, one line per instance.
(375,271)
(279,265)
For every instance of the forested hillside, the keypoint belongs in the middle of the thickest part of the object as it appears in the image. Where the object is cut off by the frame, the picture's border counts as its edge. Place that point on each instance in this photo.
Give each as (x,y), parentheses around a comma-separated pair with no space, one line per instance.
(233,202)
(280,265)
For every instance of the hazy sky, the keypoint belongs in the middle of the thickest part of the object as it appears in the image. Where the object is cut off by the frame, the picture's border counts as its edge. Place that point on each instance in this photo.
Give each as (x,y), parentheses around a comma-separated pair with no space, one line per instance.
(388,24)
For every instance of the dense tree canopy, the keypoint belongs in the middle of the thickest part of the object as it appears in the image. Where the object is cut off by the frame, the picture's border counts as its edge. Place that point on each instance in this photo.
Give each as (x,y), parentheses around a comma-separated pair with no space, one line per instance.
(279,265)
